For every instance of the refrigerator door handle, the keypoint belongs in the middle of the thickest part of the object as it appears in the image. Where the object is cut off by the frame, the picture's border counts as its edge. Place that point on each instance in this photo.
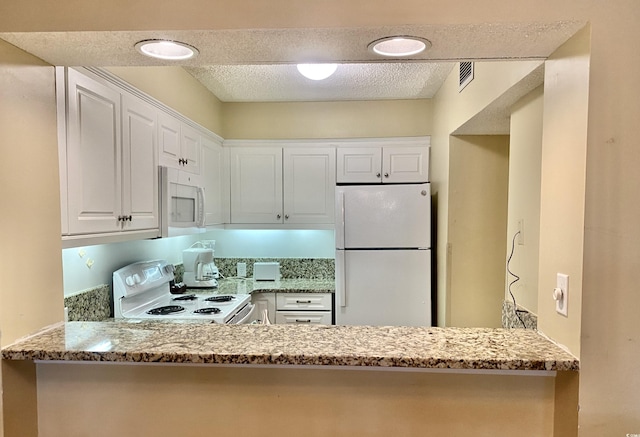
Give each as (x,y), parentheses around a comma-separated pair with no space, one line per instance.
(341,292)
(339,226)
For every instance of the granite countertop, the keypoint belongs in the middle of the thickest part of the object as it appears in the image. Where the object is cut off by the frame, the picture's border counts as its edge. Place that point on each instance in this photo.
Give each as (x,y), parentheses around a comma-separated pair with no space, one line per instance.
(248,285)
(323,345)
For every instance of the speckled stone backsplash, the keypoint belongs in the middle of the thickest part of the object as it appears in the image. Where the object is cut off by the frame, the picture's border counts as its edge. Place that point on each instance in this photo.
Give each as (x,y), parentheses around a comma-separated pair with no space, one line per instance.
(92,305)
(290,268)
(511,320)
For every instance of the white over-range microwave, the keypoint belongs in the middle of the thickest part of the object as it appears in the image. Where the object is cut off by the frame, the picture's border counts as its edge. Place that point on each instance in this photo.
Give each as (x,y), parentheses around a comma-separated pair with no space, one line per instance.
(182,203)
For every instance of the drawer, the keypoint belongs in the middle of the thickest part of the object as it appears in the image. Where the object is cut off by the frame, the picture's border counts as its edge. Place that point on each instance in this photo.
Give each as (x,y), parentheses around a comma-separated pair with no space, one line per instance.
(303,317)
(303,301)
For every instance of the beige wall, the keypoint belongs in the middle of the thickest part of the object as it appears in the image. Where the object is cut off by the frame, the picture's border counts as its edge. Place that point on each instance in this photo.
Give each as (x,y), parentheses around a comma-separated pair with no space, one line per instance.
(177,89)
(352,119)
(564,140)
(610,337)
(610,334)
(292,402)
(478,179)
(452,109)
(30,257)
(525,156)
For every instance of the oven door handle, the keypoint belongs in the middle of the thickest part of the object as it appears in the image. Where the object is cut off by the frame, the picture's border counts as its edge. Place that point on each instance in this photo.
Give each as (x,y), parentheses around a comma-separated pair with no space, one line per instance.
(245,320)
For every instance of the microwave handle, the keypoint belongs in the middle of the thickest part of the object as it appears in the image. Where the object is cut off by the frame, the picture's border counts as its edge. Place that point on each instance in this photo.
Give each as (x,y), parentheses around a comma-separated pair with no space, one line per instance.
(201,202)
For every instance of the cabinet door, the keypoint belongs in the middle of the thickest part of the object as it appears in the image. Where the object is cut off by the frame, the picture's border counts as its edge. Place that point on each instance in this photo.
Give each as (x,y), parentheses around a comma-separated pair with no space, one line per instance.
(359,165)
(309,185)
(405,164)
(190,148)
(256,185)
(265,301)
(93,156)
(169,141)
(212,173)
(139,165)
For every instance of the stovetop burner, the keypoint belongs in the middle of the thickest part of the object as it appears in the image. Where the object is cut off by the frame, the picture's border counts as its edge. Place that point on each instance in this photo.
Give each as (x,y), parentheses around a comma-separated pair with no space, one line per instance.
(210,310)
(167,309)
(220,298)
(186,297)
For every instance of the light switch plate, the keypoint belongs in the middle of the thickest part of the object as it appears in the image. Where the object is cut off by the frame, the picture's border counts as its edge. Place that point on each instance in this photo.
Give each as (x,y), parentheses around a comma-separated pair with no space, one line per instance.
(562,282)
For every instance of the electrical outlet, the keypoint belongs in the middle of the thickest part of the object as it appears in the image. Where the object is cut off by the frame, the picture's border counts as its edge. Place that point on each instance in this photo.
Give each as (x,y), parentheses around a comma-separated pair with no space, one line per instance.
(521,232)
(561,294)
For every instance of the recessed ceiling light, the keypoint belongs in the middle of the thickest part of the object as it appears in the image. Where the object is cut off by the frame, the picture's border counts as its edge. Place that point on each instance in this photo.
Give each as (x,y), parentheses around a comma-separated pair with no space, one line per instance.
(317,71)
(165,49)
(399,45)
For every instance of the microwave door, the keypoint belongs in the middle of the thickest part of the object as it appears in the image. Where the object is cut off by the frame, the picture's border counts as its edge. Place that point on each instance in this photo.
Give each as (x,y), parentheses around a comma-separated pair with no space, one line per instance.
(182,203)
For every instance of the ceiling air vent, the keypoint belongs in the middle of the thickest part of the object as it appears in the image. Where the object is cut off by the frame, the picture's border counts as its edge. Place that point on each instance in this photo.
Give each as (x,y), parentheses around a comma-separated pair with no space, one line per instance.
(466,74)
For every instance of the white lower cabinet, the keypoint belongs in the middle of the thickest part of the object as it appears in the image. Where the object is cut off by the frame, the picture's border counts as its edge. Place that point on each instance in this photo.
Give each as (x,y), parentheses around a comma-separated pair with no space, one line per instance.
(265,301)
(298,308)
(304,308)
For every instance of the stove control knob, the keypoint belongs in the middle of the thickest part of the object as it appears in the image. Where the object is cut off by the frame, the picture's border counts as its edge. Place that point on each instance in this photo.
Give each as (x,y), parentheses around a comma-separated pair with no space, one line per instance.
(136,278)
(129,281)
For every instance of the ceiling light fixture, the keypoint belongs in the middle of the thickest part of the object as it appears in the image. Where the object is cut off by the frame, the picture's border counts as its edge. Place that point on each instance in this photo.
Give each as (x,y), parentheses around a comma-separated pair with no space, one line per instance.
(399,46)
(166,49)
(317,71)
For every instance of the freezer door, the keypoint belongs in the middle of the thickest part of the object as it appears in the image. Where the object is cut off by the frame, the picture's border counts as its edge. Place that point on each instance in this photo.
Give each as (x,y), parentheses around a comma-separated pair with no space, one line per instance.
(383,216)
(383,287)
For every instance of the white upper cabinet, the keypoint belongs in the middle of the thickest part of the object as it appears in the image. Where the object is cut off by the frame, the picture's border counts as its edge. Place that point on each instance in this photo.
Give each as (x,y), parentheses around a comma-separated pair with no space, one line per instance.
(309,184)
(190,146)
(111,165)
(290,185)
(256,184)
(386,164)
(139,165)
(178,144)
(94,156)
(212,172)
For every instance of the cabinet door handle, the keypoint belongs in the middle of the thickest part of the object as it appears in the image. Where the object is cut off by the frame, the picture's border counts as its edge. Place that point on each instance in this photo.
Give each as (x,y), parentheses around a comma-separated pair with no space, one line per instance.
(377,175)
(286,216)
(303,321)
(278,216)
(386,175)
(303,301)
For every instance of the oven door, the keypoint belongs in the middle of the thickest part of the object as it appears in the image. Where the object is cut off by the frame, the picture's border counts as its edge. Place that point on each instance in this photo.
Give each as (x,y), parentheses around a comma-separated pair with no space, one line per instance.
(182,203)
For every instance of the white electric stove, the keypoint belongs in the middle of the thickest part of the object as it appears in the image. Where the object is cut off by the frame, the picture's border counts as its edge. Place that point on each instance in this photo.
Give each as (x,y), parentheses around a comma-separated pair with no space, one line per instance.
(143,291)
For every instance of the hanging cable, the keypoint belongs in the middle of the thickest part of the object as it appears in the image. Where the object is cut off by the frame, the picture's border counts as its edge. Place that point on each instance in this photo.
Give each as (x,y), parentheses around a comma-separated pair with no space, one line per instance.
(517,278)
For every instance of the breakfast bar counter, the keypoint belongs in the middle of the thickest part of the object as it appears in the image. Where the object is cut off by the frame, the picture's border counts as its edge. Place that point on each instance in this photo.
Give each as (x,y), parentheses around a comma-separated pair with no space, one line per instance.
(180,378)
(315,345)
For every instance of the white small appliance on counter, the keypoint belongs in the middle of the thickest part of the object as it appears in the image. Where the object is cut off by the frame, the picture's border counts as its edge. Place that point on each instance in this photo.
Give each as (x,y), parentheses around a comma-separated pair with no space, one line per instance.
(142,291)
(199,269)
(266,271)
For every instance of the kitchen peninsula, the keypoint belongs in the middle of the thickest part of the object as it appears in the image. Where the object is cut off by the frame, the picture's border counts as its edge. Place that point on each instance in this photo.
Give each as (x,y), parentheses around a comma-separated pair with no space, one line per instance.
(382,379)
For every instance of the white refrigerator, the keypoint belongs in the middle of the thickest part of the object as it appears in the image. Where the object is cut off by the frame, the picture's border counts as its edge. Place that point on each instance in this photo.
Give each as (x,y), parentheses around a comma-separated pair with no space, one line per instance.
(383,255)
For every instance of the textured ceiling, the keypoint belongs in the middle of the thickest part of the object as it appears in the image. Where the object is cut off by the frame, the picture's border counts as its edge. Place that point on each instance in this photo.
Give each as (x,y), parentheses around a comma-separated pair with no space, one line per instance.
(259,64)
(282,82)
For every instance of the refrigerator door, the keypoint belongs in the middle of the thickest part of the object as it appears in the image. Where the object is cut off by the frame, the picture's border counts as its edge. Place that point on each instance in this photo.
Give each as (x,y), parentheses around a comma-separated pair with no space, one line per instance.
(383,216)
(383,287)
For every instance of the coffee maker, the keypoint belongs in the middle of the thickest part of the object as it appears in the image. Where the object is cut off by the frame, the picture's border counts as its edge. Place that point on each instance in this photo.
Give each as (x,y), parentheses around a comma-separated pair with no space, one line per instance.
(199,269)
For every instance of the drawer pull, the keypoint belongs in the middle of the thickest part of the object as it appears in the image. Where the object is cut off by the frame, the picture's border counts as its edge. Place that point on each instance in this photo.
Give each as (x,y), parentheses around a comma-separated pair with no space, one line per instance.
(303,321)
(303,301)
